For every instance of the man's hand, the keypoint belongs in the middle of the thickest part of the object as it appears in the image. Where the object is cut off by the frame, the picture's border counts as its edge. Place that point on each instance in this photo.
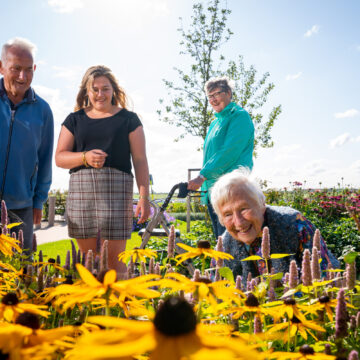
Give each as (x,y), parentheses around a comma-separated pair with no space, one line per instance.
(37,216)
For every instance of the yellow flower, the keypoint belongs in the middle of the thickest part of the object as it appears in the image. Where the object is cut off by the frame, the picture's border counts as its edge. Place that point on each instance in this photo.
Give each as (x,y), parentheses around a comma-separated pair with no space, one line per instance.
(173,336)
(203,249)
(297,326)
(306,352)
(10,308)
(89,288)
(287,307)
(219,290)
(324,303)
(7,244)
(135,254)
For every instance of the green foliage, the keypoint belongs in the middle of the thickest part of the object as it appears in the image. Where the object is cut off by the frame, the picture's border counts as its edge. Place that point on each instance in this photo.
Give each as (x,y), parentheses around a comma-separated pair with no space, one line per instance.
(60,203)
(189,107)
(328,210)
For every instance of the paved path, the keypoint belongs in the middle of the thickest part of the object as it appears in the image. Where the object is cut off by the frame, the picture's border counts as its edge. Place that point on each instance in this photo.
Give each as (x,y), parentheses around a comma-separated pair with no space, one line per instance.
(49,234)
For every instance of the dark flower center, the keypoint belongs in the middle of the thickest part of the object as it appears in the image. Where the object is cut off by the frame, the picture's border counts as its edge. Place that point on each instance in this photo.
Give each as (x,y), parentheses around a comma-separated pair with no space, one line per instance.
(324,299)
(252,300)
(51,261)
(295,320)
(204,280)
(29,320)
(69,280)
(203,244)
(174,317)
(10,299)
(290,301)
(307,350)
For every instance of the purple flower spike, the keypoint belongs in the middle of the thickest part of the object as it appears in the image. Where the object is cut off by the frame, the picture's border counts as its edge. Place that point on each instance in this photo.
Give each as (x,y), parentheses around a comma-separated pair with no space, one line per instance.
(89,264)
(220,247)
(151,266)
(21,239)
(104,256)
(98,242)
(315,266)
(293,278)
(67,260)
(4,214)
(327,349)
(350,275)
(341,326)
(257,325)
(171,242)
(73,254)
(306,269)
(316,240)
(265,243)
(354,355)
(34,243)
(238,283)
(196,276)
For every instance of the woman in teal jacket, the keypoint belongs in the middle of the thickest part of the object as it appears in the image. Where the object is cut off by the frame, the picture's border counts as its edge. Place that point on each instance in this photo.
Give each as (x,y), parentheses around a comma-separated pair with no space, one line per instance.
(229,143)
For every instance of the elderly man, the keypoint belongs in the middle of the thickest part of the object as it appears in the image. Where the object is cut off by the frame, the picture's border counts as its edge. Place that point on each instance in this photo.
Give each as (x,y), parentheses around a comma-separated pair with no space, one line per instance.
(26,139)
(240,206)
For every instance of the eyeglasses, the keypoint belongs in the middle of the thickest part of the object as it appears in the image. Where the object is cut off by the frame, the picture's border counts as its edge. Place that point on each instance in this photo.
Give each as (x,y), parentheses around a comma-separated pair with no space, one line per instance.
(215,95)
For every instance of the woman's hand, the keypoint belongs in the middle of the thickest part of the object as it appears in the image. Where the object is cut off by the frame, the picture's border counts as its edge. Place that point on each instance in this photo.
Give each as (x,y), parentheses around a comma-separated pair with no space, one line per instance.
(143,209)
(96,158)
(194,184)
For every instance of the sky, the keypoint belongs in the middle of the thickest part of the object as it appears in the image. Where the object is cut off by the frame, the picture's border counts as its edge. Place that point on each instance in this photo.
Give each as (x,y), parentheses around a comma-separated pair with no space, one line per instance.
(310,48)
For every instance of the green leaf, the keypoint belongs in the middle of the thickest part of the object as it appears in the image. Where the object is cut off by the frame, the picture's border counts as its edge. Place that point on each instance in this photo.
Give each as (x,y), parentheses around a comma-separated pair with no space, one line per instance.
(350,257)
(279,256)
(226,273)
(289,293)
(252,257)
(277,276)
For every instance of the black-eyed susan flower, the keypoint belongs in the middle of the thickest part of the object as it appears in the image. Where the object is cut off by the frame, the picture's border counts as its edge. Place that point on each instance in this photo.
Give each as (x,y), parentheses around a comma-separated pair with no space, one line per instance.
(89,288)
(287,307)
(136,254)
(203,250)
(174,335)
(324,303)
(7,244)
(11,307)
(294,326)
(306,352)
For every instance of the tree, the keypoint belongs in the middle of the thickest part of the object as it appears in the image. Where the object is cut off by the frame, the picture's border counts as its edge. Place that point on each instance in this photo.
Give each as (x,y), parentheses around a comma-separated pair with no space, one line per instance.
(188,106)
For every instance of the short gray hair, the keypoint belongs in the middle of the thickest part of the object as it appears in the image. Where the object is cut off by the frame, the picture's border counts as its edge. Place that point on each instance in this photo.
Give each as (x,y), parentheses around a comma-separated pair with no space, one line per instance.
(224,83)
(19,43)
(224,187)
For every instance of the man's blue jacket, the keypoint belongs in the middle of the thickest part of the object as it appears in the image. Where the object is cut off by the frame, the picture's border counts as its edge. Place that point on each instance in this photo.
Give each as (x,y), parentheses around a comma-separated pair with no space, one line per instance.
(28,175)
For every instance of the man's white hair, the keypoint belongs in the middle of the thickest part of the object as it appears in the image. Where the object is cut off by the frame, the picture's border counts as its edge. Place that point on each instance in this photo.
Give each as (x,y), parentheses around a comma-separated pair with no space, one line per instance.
(20,43)
(223,190)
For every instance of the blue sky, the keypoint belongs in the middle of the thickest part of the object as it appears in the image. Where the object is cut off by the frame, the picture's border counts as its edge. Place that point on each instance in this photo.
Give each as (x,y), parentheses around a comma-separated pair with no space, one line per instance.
(310,48)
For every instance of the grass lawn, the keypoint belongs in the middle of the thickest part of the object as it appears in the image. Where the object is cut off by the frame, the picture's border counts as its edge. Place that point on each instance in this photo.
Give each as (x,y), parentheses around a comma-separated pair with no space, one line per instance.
(52,249)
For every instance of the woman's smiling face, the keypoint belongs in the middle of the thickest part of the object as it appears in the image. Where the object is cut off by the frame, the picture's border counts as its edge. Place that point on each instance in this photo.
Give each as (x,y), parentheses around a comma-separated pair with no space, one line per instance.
(243,216)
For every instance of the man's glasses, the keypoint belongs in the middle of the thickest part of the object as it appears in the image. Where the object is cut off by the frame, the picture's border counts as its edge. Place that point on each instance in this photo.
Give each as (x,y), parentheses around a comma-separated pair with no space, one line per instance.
(215,95)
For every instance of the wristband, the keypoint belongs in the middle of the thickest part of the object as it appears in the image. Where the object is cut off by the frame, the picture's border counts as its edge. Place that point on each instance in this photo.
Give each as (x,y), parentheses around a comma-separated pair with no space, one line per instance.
(144,197)
(84,159)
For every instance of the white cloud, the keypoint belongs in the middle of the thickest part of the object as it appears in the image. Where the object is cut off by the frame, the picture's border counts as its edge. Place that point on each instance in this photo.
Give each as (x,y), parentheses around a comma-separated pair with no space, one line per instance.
(347,114)
(340,140)
(58,105)
(69,73)
(315,167)
(355,166)
(314,30)
(293,76)
(287,152)
(65,6)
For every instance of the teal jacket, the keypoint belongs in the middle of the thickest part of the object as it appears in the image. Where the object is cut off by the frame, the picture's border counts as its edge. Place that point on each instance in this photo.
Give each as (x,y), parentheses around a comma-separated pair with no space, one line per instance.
(228,145)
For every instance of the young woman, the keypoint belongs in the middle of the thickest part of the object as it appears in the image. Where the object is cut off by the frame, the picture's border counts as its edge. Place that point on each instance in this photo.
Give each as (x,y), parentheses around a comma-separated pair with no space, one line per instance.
(97,143)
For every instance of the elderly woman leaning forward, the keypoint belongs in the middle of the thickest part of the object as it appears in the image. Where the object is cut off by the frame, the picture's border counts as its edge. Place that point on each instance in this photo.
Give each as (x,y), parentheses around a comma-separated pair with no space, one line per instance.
(240,206)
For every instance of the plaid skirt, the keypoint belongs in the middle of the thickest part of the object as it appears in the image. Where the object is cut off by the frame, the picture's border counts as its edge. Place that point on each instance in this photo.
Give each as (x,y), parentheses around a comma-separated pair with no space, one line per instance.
(100,200)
